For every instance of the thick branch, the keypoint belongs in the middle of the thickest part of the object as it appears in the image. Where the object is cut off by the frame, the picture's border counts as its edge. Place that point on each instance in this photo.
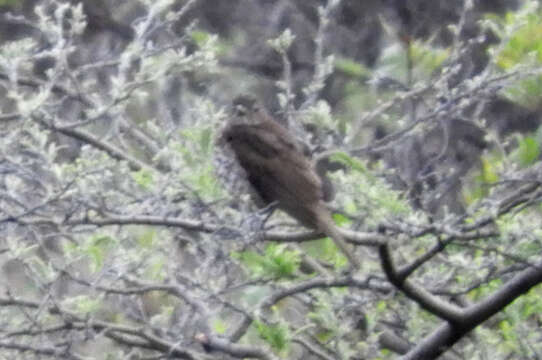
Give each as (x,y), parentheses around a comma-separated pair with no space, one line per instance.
(448,333)
(425,299)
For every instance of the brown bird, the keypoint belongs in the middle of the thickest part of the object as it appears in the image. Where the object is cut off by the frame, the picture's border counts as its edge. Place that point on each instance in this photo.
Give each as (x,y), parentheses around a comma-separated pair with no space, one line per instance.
(278,169)
(99,17)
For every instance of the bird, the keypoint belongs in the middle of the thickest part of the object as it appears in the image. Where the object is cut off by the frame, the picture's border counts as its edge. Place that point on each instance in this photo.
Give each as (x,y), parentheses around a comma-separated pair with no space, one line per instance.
(99,17)
(278,169)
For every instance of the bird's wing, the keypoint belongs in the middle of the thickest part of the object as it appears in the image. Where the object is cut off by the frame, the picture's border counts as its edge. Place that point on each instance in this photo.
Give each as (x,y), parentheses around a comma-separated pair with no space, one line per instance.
(274,163)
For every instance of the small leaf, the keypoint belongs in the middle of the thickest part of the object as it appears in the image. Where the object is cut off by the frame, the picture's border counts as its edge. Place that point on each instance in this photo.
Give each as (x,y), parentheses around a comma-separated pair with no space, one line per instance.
(277,262)
(200,37)
(489,174)
(83,304)
(219,326)
(277,336)
(340,219)
(143,178)
(96,249)
(528,151)
(349,161)
(351,67)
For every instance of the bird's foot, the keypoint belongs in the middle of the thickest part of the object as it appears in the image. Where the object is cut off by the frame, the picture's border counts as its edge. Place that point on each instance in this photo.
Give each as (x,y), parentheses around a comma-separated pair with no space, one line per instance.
(267,211)
(252,226)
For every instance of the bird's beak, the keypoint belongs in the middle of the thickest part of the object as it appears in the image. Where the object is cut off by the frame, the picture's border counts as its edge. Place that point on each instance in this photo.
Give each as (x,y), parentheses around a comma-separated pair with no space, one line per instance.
(240,110)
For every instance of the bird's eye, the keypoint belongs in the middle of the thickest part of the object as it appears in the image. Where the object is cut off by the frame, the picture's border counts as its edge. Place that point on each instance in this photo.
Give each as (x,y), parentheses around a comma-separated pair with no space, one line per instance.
(240,110)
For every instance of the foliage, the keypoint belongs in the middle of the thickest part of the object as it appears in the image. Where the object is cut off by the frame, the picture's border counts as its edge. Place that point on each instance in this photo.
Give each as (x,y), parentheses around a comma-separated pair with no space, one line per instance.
(118,232)
(275,335)
(277,262)
(524,45)
(528,151)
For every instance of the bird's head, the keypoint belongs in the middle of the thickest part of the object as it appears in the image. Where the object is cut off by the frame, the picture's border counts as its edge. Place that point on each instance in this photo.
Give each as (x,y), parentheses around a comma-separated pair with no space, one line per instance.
(244,109)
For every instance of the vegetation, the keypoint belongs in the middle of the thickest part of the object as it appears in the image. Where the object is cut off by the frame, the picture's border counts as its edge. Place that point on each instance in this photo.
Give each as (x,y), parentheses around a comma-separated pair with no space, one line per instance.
(120,238)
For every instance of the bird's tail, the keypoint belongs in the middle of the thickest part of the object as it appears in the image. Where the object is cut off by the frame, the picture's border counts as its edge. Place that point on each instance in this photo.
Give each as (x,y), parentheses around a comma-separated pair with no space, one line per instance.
(328,227)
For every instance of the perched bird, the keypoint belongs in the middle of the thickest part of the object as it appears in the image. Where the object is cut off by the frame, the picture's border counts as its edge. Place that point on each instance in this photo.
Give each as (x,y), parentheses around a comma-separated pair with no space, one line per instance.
(99,16)
(278,169)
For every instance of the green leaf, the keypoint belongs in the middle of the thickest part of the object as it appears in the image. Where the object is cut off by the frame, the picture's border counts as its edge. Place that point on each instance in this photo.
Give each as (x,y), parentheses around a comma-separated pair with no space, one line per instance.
(489,174)
(485,289)
(8,2)
(427,58)
(143,178)
(351,67)
(277,336)
(219,326)
(525,40)
(277,262)
(83,304)
(523,30)
(486,175)
(96,248)
(340,219)
(195,149)
(203,39)
(528,151)
(96,255)
(349,161)
(200,37)
(533,309)
(507,330)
